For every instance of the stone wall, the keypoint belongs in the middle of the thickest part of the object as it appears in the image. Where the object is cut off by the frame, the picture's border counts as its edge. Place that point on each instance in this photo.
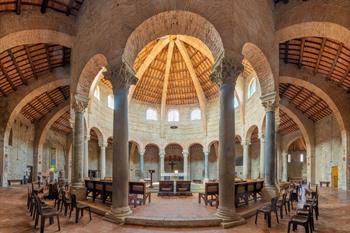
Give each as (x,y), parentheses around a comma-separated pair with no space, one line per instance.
(94,154)
(296,168)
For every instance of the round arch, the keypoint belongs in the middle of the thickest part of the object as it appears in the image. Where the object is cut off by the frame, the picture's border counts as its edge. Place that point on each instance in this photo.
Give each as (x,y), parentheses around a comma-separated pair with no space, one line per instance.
(250,132)
(98,132)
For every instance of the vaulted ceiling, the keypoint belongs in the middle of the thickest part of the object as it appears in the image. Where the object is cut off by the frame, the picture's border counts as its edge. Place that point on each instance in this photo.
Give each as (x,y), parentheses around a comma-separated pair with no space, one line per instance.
(287,125)
(23,64)
(62,124)
(68,7)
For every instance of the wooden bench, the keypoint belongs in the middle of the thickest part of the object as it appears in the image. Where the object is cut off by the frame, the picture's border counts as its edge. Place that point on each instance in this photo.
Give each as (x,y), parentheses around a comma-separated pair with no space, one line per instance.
(327,183)
(137,189)
(183,188)
(210,195)
(166,188)
(18,181)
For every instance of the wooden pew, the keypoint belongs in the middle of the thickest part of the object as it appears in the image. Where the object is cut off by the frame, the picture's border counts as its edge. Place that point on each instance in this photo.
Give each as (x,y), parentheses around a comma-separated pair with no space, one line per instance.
(183,188)
(166,187)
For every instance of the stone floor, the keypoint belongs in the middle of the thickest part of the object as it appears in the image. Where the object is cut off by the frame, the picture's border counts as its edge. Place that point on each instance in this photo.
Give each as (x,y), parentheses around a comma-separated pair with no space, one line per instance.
(334,210)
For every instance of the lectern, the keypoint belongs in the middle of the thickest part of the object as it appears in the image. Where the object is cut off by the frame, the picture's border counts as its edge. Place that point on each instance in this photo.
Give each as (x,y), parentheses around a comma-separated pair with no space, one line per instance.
(151,175)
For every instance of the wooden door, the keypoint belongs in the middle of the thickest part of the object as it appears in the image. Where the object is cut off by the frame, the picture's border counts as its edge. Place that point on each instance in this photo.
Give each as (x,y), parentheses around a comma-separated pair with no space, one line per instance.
(334,173)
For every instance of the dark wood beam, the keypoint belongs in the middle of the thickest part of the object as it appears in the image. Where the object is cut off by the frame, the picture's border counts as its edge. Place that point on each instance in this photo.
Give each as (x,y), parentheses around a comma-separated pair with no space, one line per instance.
(320,55)
(2,92)
(345,76)
(18,7)
(7,76)
(335,61)
(69,7)
(44,5)
(296,94)
(285,90)
(52,100)
(300,63)
(286,52)
(31,61)
(9,51)
(35,109)
(62,92)
(48,57)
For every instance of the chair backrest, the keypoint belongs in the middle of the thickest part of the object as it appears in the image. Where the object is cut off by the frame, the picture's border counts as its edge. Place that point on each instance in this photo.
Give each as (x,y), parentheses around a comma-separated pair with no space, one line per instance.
(212,188)
(73,198)
(137,187)
(38,203)
(274,203)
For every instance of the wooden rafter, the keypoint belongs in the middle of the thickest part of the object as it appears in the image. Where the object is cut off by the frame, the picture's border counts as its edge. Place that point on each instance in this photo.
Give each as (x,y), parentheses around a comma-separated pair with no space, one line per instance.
(197,45)
(340,47)
(320,54)
(44,6)
(9,51)
(301,52)
(165,84)
(7,76)
(18,7)
(30,61)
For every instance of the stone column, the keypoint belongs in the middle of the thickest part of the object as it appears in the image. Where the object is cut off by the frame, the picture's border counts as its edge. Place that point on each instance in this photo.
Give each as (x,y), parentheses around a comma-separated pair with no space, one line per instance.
(142,164)
(185,155)
(102,162)
(284,166)
(225,75)
(78,186)
(262,146)
(246,160)
(122,78)
(268,102)
(206,165)
(161,156)
(86,155)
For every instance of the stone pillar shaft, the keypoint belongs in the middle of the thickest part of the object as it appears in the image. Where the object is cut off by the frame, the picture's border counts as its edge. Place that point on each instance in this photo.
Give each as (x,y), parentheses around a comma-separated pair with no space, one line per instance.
(185,155)
(86,155)
(285,166)
(261,158)
(102,161)
(270,158)
(206,165)
(142,164)
(246,160)
(78,149)
(161,156)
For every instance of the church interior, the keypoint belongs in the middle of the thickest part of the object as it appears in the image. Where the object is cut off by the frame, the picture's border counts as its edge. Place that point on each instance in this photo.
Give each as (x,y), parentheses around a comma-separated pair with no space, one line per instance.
(175,116)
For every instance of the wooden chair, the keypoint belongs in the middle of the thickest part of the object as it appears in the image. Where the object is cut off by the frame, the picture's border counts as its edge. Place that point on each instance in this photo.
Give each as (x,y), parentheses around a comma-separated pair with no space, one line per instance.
(66,203)
(78,207)
(210,195)
(44,213)
(136,189)
(307,212)
(267,210)
(299,220)
(166,187)
(282,203)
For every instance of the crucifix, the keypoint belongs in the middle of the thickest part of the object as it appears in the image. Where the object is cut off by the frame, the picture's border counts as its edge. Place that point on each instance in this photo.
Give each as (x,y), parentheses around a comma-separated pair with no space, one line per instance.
(172,164)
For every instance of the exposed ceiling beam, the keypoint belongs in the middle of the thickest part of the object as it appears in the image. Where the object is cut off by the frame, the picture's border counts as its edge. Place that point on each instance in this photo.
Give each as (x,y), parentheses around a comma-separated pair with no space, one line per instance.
(197,44)
(161,44)
(195,80)
(44,5)
(7,76)
(31,61)
(335,61)
(301,52)
(165,85)
(69,7)
(320,54)
(18,7)
(9,52)
(48,57)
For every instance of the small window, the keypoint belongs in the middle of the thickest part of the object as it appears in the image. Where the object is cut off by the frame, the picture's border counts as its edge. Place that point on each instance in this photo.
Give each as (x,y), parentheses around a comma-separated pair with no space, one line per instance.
(111,101)
(252,88)
(289,158)
(151,114)
(301,158)
(173,115)
(196,114)
(235,102)
(97,92)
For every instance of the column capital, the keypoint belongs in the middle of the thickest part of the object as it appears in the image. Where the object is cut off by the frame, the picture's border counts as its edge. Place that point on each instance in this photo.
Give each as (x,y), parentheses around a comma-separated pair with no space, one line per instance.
(227,70)
(185,153)
(246,142)
(269,101)
(102,144)
(261,136)
(87,137)
(121,77)
(80,103)
(161,155)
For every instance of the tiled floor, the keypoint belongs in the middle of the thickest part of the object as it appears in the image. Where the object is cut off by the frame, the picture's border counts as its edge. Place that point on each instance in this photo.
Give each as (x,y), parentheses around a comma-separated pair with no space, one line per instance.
(14,218)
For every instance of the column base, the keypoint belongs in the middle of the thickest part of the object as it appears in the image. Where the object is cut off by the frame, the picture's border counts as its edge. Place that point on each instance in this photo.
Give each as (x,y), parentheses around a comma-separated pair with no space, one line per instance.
(229,217)
(118,215)
(269,191)
(79,190)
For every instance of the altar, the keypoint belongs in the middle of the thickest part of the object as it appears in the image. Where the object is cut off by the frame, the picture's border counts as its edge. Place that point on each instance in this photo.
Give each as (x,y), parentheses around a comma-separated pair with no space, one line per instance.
(173,175)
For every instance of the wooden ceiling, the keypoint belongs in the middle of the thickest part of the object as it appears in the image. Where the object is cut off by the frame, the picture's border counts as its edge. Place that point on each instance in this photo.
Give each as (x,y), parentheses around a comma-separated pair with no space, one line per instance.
(62,124)
(21,64)
(287,125)
(306,101)
(68,7)
(321,55)
(44,103)
(298,145)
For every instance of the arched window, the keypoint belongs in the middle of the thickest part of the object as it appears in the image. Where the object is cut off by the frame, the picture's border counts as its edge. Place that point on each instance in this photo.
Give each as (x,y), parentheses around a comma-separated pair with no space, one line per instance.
(301,158)
(173,115)
(97,92)
(110,101)
(151,114)
(252,87)
(196,114)
(235,102)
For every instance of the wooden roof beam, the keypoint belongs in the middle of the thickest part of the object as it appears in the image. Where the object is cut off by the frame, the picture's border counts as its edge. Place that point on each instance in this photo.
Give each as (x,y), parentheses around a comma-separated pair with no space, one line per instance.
(195,80)
(44,6)
(197,44)
(52,100)
(48,57)
(320,55)
(300,63)
(345,76)
(9,51)
(286,52)
(335,61)
(18,7)
(7,76)
(160,45)
(62,92)
(165,86)
(69,7)
(2,92)
(30,61)
(296,94)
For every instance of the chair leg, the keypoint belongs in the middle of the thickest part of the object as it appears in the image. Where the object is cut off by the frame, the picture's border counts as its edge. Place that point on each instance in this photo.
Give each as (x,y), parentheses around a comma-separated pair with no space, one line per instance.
(76,215)
(306,228)
(289,226)
(269,220)
(36,221)
(281,211)
(58,222)
(42,224)
(90,213)
(82,212)
(277,217)
(256,217)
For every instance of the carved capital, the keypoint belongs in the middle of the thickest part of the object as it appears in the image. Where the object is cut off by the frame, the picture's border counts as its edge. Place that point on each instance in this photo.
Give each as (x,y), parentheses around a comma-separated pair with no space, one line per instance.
(79,105)
(269,102)
(121,77)
(226,71)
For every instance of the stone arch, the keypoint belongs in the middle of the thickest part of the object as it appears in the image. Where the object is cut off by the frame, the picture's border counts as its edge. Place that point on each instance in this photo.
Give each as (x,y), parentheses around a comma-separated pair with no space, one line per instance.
(250,132)
(196,161)
(35,36)
(151,160)
(87,78)
(173,22)
(98,132)
(261,66)
(320,29)
(293,139)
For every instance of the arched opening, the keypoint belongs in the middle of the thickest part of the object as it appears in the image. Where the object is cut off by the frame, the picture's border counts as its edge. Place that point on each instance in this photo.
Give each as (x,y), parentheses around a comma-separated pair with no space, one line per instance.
(173,161)
(151,159)
(213,160)
(196,162)
(296,159)
(134,161)
(239,155)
